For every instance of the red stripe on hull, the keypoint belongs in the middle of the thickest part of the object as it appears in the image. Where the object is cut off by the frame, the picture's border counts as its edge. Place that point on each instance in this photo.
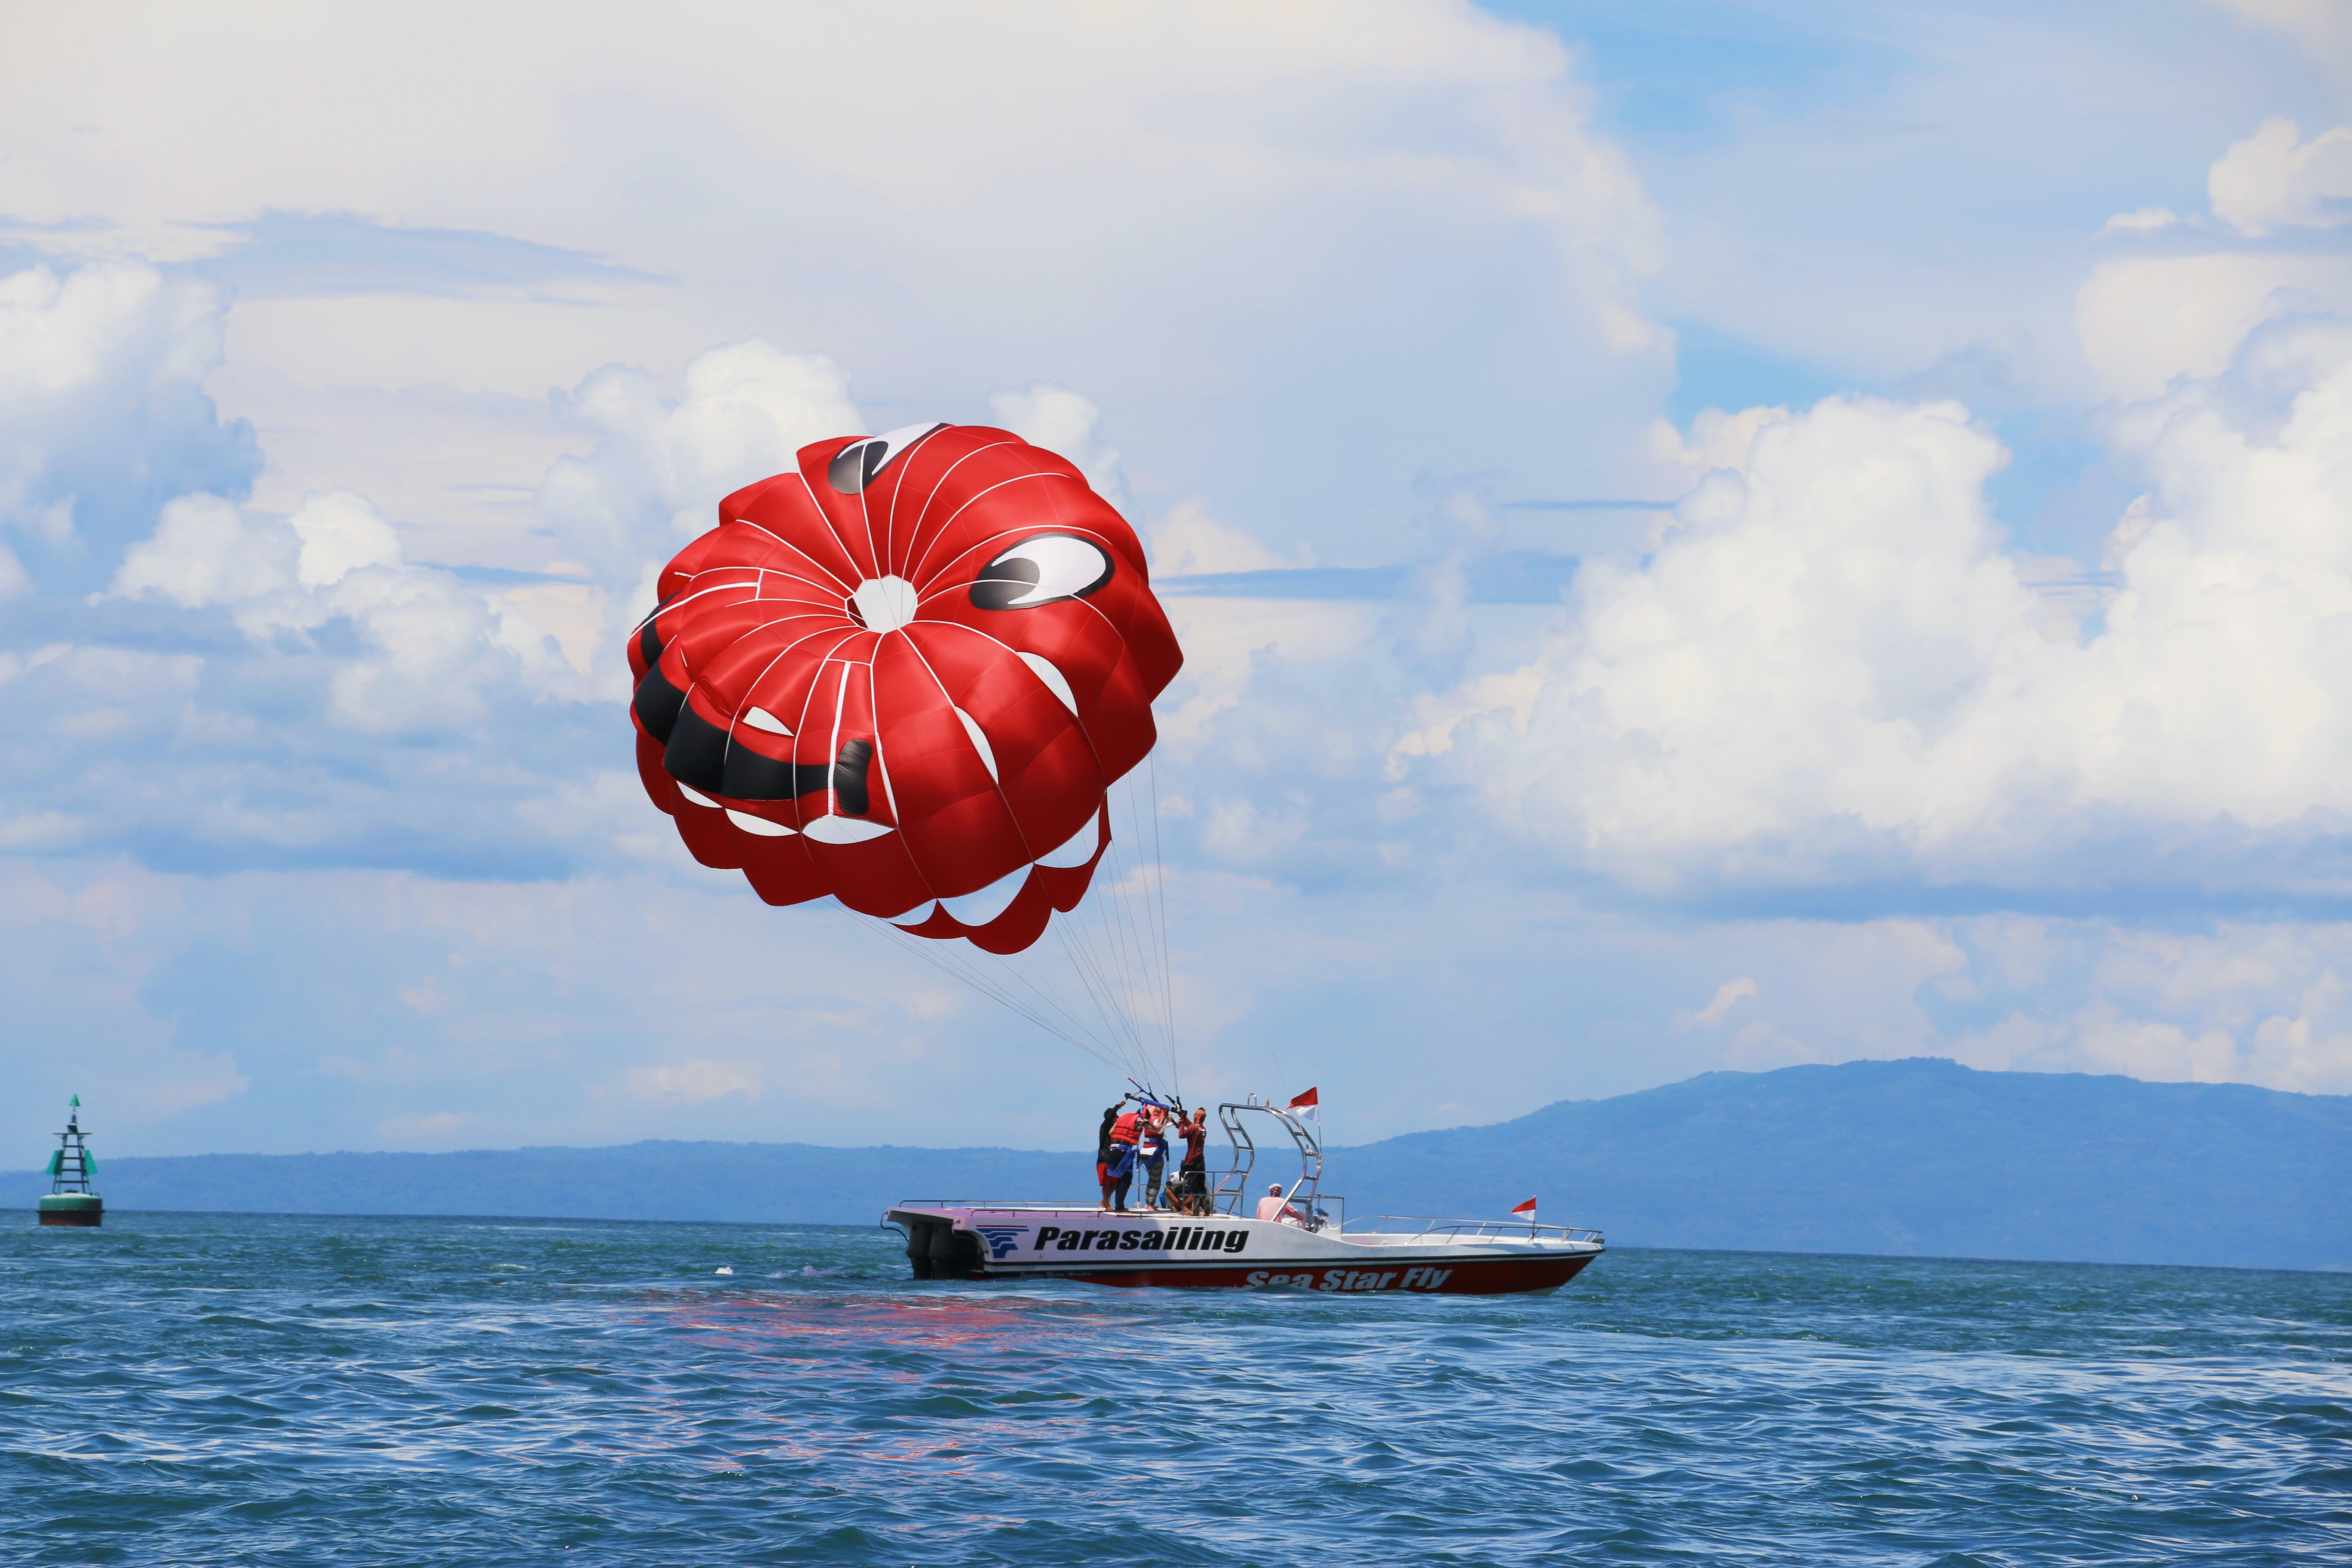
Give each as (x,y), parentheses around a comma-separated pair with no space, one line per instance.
(1467,1277)
(73,1217)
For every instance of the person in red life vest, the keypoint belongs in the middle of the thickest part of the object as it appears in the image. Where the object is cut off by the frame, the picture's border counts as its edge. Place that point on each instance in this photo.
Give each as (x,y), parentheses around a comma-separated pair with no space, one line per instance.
(1102,1148)
(1272,1207)
(1120,1170)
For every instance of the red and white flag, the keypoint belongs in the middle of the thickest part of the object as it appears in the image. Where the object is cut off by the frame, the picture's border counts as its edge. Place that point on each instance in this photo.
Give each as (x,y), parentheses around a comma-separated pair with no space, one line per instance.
(1306,1105)
(1528,1207)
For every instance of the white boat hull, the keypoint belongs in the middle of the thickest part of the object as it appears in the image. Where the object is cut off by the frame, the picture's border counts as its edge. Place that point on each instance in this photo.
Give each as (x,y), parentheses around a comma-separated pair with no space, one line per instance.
(971,1241)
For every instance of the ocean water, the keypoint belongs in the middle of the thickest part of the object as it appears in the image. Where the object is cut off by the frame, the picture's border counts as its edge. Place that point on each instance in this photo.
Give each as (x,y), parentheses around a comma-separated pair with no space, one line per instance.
(191,1389)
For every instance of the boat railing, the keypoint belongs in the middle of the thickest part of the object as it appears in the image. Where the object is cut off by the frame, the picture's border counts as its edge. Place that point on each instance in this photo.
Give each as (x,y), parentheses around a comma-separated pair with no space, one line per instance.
(1025,1206)
(1329,1213)
(1469,1229)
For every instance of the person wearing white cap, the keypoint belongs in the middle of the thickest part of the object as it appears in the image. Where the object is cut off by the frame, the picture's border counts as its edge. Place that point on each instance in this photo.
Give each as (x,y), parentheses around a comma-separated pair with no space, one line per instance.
(1272,1207)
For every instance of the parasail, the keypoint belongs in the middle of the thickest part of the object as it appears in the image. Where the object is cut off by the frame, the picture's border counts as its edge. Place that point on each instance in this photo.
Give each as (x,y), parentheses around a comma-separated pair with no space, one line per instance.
(906,674)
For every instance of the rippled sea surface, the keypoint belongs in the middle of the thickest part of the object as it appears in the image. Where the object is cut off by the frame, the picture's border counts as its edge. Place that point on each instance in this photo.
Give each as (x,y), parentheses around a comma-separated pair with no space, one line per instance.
(193,1389)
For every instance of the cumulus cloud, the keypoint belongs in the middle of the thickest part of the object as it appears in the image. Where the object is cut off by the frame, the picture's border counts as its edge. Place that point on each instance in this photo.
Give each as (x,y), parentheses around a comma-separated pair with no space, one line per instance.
(2145,322)
(431,649)
(662,464)
(1233,253)
(1188,540)
(1061,421)
(102,402)
(1831,671)
(2274,179)
(203,551)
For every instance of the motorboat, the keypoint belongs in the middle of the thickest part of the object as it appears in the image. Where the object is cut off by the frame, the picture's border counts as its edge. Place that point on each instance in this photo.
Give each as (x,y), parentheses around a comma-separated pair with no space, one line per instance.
(1309,1245)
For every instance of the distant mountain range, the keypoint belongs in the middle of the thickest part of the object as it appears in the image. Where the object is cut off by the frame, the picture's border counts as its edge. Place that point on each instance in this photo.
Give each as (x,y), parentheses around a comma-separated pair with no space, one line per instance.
(1921,1157)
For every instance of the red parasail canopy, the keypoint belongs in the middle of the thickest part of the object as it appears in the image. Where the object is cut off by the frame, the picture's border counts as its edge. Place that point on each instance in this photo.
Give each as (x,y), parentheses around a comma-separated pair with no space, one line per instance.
(904,674)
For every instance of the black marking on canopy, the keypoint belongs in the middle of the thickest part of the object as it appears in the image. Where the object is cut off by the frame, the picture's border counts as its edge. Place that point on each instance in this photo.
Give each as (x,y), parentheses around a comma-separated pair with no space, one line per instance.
(699,755)
(849,776)
(649,642)
(854,467)
(1013,575)
(752,775)
(658,704)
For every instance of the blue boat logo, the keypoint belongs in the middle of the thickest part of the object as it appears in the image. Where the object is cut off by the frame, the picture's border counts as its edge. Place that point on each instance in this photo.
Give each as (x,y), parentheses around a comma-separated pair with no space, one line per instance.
(1001,1238)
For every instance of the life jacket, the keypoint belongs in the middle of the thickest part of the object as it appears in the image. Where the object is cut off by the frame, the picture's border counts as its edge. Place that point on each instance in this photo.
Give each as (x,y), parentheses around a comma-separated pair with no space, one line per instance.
(1123,1129)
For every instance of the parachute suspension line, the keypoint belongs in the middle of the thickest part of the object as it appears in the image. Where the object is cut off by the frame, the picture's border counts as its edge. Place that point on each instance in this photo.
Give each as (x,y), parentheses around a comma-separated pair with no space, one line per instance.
(1112,1055)
(1167,972)
(1099,957)
(1089,968)
(1100,992)
(1117,1004)
(1067,1029)
(1127,940)
(1107,961)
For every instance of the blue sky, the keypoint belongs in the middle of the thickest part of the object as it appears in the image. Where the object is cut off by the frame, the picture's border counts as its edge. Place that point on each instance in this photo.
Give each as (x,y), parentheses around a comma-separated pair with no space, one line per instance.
(1709,536)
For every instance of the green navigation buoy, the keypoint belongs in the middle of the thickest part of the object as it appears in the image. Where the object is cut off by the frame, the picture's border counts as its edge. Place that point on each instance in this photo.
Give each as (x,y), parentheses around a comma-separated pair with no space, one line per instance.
(72,1168)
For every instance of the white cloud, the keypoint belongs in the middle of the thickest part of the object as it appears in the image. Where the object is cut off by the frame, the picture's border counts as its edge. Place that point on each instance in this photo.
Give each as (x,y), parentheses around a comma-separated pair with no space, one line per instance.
(1223,221)
(1061,421)
(2148,322)
(2142,220)
(340,533)
(60,335)
(431,647)
(1830,670)
(204,552)
(102,401)
(662,465)
(1188,541)
(1727,996)
(2273,179)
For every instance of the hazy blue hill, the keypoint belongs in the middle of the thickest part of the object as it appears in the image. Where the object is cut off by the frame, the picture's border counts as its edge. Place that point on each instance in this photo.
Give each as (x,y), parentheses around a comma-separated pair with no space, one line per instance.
(1921,1157)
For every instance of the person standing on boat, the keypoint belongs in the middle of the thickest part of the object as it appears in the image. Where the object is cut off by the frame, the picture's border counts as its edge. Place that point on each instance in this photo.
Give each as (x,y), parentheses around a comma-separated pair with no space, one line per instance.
(1122,1175)
(1102,1148)
(1119,1173)
(1151,1150)
(1192,1188)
